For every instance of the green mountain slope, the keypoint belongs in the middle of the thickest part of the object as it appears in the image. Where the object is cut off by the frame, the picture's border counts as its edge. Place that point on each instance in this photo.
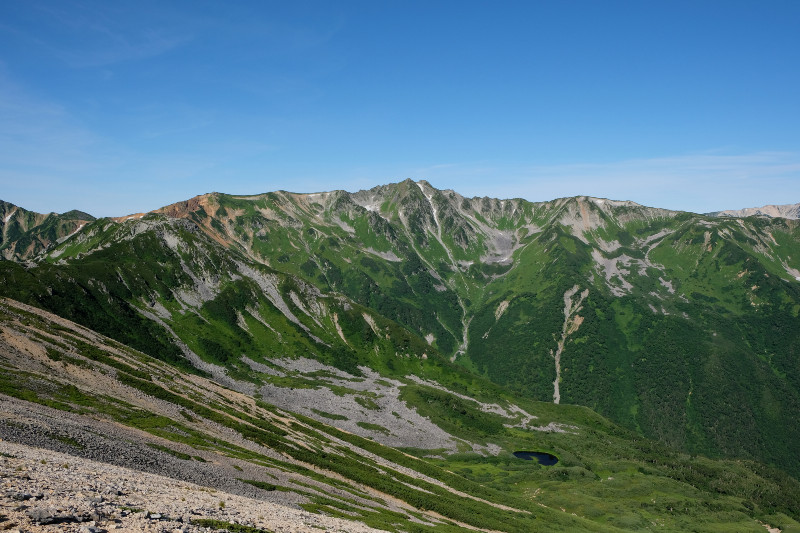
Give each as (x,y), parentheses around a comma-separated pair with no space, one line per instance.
(680,327)
(67,388)
(24,234)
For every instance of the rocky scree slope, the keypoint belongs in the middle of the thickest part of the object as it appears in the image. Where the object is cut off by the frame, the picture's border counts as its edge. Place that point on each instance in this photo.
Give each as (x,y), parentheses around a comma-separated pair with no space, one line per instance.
(46,490)
(126,441)
(69,389)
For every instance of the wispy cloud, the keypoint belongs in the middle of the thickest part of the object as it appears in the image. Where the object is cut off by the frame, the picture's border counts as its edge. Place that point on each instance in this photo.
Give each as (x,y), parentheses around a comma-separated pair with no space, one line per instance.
(121,48)
(101,34)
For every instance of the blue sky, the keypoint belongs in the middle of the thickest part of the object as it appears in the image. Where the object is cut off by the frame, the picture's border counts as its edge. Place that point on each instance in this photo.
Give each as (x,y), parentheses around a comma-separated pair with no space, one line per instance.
(120,107)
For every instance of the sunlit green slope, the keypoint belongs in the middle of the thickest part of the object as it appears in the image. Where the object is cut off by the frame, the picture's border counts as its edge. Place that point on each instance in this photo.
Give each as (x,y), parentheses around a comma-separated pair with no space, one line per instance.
(97,394)
(680,327)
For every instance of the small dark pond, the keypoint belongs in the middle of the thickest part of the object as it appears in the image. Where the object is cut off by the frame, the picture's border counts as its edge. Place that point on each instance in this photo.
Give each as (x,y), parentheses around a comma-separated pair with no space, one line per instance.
(546,459)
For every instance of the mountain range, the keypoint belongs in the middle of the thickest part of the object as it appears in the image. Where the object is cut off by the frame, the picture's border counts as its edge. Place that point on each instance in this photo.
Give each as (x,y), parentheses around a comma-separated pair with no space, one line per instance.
(656,347)
(772,211)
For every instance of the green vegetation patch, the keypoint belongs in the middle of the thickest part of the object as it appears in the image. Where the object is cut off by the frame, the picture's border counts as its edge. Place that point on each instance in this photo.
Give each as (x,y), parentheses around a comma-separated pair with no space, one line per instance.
(170,451)
(367,403)
(330,416)
(452,413)
(259,484)
(373,427)
(220,525)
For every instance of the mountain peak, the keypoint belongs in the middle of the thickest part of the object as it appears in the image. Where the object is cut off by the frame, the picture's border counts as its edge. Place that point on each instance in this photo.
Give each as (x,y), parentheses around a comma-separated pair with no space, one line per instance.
(182,209)
(25,234)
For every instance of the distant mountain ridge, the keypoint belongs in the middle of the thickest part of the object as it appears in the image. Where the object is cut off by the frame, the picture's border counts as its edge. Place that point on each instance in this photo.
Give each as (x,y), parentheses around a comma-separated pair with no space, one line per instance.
(24,234)
(7,209)
(790,211)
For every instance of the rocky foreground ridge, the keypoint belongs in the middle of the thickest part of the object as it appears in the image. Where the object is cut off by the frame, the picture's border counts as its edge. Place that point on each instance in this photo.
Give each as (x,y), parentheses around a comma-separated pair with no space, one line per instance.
(43,490)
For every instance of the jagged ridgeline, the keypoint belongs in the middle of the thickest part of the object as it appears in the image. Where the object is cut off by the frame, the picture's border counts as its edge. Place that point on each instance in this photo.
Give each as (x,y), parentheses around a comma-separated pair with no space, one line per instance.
(681,327)
(26,234)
